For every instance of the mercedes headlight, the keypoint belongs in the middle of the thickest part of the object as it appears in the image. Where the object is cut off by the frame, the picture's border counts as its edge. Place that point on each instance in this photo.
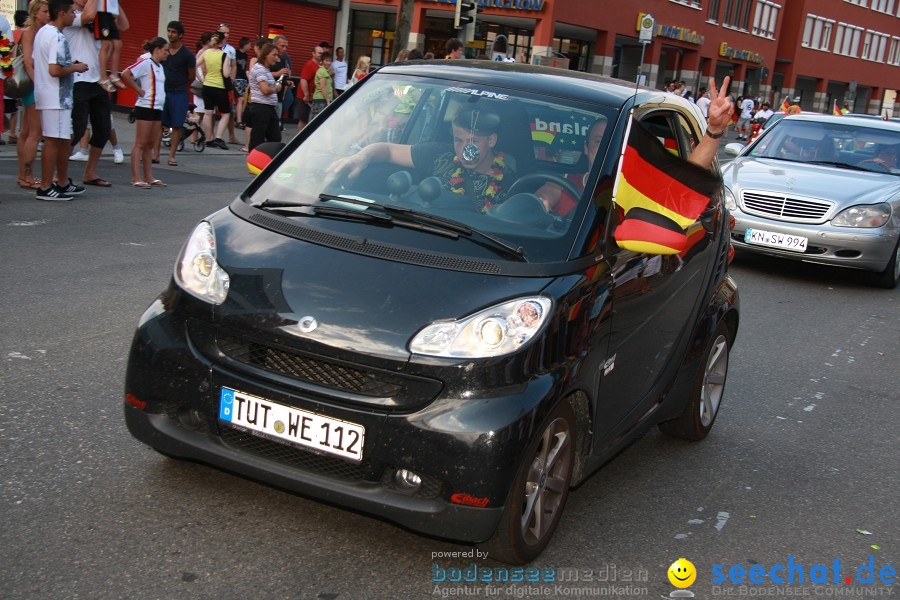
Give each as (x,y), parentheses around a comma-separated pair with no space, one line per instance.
(494,331)
(730,202)
(871,215)
(197,271)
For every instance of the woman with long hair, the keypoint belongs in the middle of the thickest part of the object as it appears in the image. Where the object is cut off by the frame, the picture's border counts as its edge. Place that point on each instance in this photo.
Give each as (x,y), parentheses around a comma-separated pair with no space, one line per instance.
(147,78)
(362,68)
(30,135)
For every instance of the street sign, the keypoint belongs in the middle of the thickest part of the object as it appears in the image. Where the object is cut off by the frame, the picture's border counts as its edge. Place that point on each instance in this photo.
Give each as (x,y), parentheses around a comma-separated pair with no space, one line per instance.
(648,24)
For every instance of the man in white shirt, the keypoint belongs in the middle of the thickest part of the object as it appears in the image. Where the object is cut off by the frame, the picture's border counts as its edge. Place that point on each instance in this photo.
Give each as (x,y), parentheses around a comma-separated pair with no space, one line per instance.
(90,99)
(743,123)
(703,102)
(53,81)
(764,113)
(339,65)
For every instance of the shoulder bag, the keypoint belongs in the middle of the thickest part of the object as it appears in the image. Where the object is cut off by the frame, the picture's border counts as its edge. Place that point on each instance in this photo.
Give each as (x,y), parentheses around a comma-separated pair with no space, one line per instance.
(19,84)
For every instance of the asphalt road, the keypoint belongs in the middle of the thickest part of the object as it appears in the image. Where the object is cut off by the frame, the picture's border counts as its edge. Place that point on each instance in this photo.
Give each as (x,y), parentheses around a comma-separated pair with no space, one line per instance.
(804,454)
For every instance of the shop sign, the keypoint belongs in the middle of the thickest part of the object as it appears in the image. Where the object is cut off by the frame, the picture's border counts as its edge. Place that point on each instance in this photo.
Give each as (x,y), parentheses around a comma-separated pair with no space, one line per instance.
(537,5)
(674,32)
(747,55)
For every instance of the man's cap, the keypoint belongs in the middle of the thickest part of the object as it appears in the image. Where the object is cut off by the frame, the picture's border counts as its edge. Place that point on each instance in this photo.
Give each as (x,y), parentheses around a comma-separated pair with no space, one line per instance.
(478,120)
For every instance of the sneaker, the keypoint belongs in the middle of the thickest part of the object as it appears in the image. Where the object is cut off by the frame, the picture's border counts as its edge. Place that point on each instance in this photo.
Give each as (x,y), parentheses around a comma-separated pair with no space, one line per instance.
(80,155)
(118,155)
(54,193)
(219,143)
(70,189)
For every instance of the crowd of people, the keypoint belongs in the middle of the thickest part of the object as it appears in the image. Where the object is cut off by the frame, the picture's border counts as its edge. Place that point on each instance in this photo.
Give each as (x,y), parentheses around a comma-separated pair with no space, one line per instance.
(71,50)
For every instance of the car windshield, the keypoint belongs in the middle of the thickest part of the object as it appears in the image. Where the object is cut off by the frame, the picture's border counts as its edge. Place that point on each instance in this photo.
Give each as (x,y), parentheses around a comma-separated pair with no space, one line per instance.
(509,164)
(843,145)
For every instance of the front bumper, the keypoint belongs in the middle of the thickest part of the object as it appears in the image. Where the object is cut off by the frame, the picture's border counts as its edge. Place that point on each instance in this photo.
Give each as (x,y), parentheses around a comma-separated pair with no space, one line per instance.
(461,447)
(867,249)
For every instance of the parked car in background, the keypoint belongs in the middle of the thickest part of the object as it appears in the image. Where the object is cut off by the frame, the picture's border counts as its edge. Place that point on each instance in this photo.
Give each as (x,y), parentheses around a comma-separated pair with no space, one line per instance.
(823,189)
(375,339)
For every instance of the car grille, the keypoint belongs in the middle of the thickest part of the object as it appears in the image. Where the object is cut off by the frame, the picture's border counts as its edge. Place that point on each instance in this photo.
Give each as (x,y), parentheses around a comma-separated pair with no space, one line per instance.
(306,368)
(785,208)
(296,457)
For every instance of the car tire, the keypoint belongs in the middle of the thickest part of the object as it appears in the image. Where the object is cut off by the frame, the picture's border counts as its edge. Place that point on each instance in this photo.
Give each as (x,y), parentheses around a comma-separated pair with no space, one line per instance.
(698,417)
(888,278)
(538,496)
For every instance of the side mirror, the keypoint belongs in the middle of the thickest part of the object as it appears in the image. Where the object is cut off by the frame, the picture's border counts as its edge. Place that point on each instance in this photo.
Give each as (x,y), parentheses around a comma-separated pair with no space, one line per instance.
(734,148)
(260,157)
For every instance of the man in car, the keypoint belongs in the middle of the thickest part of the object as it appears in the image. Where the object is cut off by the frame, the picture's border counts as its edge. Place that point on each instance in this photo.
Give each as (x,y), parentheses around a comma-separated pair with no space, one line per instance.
(885,158)
(470,167)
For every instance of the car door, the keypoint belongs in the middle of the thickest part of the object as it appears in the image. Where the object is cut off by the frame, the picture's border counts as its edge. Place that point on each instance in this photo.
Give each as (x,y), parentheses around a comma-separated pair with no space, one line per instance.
(655,299)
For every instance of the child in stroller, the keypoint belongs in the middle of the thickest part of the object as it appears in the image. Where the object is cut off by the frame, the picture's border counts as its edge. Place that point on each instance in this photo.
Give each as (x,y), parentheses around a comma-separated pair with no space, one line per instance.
(190,128)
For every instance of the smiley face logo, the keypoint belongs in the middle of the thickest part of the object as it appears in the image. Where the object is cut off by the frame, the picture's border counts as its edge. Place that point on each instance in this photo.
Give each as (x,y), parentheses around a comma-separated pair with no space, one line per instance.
(682,573)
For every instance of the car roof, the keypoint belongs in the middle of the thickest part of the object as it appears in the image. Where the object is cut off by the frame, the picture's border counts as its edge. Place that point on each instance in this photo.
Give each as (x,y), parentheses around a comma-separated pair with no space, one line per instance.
(844,120)
(576,85)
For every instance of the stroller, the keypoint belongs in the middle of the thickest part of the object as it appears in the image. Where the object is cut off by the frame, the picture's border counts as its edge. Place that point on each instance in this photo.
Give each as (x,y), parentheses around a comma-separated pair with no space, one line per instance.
(187,130)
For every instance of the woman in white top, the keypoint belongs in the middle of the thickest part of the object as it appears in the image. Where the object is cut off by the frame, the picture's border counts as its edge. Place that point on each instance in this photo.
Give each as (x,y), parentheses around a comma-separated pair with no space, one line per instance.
(147,78)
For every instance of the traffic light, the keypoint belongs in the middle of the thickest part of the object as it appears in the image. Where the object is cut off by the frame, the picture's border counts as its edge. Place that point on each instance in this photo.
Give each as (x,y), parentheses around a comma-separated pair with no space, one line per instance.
(464,19)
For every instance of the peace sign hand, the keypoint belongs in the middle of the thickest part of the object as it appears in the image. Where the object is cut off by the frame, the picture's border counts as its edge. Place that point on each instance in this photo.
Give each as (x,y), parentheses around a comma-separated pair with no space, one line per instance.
(720,107)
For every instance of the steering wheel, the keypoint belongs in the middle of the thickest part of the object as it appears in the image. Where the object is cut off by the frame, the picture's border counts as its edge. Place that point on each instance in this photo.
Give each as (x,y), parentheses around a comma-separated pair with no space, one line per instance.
(874,165)
(526,180)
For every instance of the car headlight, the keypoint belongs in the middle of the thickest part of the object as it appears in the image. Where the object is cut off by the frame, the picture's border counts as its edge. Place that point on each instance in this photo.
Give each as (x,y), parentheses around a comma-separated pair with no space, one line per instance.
(730,202)
(494,331)
(197,271)
(871,215)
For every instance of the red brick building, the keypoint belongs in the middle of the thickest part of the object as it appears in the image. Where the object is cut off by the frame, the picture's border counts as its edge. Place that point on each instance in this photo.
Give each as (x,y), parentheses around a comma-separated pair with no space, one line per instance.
(817,50)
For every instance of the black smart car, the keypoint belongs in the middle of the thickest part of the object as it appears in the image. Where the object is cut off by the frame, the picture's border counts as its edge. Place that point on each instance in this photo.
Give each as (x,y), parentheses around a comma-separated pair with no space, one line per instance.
(418,310)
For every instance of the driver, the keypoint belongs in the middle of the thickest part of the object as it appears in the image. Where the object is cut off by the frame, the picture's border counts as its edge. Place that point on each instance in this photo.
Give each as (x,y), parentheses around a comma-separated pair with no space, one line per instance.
(886,157)
(471,167)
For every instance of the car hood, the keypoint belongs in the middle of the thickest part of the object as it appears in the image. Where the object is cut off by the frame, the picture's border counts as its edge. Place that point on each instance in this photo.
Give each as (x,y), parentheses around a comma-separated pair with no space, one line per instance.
(361,305)
(845,187)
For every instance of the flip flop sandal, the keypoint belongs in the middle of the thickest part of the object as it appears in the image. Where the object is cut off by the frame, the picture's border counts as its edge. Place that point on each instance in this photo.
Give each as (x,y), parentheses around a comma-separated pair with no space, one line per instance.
(26,185)
(117,82)
(141,184)
(173,163)
(159,183)
(98,181)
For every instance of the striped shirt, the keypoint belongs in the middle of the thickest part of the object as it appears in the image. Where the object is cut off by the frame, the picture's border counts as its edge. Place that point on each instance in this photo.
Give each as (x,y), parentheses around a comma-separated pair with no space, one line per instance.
(152,79)
(260,73)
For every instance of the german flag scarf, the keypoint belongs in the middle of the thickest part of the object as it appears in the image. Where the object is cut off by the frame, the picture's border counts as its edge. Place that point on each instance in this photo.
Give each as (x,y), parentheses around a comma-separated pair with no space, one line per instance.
(660,194)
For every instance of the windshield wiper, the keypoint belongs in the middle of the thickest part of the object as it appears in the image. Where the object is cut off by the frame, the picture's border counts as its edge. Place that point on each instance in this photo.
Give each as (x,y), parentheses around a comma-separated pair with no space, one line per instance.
(842,165)
(443,224)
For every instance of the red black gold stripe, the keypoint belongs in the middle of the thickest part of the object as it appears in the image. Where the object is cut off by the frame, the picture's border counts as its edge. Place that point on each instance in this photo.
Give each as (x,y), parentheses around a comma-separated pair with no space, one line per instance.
(653,179)
(647,231)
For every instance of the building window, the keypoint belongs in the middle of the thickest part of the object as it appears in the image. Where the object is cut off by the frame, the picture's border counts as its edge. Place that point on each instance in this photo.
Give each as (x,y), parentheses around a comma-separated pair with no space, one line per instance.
(691,3)
(765,18)
(874,44)
(883,6)
(737,14)
(713,14)
(894,54)
(817,32)
(846,40)
(862,3)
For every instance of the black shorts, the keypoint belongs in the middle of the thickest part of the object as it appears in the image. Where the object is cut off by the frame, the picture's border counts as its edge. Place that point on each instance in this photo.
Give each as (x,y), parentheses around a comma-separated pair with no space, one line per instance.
(105,27)
(9,105)
(216,98)
(142,113)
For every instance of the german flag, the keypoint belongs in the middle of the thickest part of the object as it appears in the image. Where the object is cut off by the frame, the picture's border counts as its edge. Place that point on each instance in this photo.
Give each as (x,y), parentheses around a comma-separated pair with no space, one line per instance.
(836,110)
(785,106)
(671,193)
(259,158)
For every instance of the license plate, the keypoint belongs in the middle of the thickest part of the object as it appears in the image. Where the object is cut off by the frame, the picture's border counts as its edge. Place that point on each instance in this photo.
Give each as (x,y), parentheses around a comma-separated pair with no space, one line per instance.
(784,241)
(292,425)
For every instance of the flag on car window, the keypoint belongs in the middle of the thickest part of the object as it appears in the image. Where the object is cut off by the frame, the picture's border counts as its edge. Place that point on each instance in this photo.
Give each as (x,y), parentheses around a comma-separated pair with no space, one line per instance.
(660,194)
(836,110)
(785,106)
